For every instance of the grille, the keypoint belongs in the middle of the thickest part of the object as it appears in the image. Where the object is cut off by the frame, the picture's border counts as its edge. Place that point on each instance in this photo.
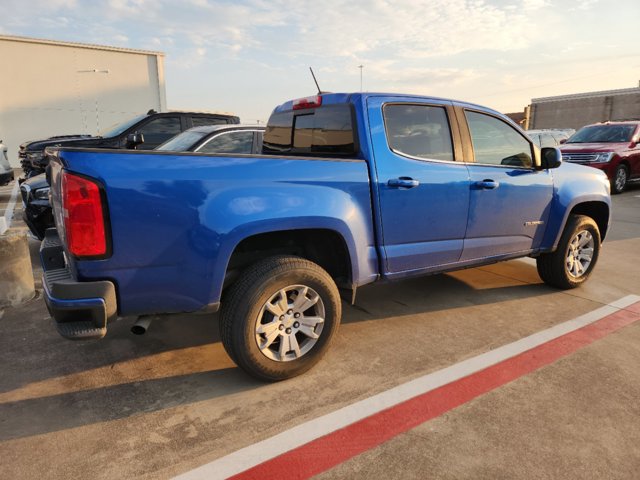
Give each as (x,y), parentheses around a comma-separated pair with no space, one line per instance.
(579,157)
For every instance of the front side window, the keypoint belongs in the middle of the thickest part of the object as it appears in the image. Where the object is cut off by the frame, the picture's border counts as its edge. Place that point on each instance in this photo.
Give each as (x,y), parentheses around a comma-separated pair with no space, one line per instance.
(497,143)
(118,128)
(420,131)
(232,142)
(159,130)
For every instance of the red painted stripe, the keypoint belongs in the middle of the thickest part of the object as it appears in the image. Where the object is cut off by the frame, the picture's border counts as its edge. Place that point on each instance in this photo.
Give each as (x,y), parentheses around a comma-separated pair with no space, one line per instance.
(337,447)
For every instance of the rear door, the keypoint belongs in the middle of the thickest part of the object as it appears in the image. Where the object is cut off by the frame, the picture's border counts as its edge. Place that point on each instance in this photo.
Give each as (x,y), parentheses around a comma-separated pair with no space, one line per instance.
(509,199)
(422,186)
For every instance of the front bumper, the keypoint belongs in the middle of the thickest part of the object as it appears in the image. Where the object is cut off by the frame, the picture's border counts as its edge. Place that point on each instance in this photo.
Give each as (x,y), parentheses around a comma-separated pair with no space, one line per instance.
(81,310)
(38,216)
(607,167)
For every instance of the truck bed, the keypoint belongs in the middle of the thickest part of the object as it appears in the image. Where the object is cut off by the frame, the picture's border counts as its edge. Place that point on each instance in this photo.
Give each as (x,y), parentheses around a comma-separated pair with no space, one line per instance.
(174,219)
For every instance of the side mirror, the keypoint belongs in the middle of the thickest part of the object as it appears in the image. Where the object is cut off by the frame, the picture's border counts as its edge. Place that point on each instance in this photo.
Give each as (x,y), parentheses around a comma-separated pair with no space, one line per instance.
(550,158)
(134,139)
(563,140)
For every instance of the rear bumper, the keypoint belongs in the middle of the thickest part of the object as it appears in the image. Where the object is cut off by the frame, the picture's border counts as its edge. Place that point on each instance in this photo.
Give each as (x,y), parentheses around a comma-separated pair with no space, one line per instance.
(81,310)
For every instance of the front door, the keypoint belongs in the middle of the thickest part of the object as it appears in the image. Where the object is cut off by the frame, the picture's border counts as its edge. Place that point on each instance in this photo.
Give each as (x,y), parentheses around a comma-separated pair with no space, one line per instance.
(509,199)
(422,191)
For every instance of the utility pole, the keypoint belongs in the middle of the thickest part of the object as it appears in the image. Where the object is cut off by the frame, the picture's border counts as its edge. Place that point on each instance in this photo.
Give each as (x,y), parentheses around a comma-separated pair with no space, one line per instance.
(360,67)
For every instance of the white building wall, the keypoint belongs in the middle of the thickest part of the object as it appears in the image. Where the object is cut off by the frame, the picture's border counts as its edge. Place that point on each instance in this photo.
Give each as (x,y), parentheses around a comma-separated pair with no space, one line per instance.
(53,88)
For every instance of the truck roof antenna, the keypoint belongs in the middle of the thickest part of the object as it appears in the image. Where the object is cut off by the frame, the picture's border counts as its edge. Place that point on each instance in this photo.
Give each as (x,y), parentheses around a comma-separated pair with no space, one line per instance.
(320,92)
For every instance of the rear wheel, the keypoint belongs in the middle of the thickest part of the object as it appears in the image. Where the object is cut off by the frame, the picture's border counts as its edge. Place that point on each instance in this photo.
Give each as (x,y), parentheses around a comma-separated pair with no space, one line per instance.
(279,318)
(577,254)
(620,178)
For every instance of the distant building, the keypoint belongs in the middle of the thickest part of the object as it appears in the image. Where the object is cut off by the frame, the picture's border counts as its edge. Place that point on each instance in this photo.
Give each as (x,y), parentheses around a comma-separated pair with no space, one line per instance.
(517,117)
(56,88)
(578,110)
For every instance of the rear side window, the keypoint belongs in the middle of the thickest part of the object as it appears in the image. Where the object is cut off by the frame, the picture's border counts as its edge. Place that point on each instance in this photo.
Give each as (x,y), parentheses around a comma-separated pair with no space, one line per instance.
(181,142)
(233,142)
(203,121)
(327,130)
(547,140)
(420,131)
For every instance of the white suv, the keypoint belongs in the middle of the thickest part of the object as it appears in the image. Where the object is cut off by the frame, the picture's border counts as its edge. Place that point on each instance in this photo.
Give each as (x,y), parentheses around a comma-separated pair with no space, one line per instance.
(6,172)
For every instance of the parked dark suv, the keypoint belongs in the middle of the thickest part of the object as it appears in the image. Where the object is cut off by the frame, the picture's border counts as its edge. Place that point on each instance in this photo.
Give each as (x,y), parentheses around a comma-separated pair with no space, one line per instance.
(155,128)
(613,147)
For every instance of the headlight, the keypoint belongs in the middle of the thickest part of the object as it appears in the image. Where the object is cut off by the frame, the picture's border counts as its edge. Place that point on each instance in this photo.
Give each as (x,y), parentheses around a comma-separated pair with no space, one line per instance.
(603,157)
(35,155)
(41,194)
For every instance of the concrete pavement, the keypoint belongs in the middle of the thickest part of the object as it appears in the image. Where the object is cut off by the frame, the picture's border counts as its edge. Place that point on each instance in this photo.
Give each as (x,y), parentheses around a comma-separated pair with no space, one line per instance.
(162,404)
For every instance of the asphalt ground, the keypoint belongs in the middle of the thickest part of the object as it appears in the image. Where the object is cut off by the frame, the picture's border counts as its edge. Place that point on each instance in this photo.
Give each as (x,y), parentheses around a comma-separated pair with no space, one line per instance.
(171,401)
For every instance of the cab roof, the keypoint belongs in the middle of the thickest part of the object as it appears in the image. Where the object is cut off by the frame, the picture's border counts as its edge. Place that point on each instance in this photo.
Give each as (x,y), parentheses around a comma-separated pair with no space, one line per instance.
(355,97)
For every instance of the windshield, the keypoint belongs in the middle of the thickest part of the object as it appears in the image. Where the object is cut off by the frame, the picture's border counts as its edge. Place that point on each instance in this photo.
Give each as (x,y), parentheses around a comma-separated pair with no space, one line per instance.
(182,142)
(603,134)
(118,128)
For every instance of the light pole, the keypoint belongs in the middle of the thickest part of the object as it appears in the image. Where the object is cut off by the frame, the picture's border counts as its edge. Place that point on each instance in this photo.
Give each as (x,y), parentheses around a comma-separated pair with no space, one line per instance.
(360,67)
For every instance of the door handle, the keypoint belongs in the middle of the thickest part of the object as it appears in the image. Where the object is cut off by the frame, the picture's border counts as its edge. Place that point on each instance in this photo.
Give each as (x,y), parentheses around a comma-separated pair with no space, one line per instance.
(487,184)
(403,182)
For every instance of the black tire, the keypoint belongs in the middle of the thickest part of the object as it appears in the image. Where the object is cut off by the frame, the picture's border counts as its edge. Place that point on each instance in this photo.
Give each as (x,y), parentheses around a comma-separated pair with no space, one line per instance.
(554,268)
(244,310)
(620,179)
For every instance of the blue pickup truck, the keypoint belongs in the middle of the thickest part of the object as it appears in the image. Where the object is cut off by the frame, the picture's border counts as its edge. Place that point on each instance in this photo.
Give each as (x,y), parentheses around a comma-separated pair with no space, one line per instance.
(349,189)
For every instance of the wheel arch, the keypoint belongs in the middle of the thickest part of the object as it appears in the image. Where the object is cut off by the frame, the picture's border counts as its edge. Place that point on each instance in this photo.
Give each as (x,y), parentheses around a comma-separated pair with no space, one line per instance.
(330,246)
(625,161)
(599,211)
(323,246)
(596,209)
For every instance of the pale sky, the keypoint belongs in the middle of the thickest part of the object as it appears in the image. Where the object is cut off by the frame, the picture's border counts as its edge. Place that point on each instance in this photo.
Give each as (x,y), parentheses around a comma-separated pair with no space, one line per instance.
(247,56)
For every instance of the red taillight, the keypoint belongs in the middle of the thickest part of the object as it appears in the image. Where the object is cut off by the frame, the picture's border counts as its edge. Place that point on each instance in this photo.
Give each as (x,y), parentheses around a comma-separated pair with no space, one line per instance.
(83,216)
(307,102)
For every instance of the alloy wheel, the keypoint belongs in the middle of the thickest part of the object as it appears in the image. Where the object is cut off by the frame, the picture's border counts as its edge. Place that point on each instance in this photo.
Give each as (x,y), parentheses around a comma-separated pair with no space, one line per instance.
(580,253)
(290,323)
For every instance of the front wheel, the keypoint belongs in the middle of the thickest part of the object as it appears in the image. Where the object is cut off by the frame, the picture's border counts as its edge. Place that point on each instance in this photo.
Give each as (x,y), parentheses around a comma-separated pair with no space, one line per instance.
(278,319)
(620,178)
(577,254)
